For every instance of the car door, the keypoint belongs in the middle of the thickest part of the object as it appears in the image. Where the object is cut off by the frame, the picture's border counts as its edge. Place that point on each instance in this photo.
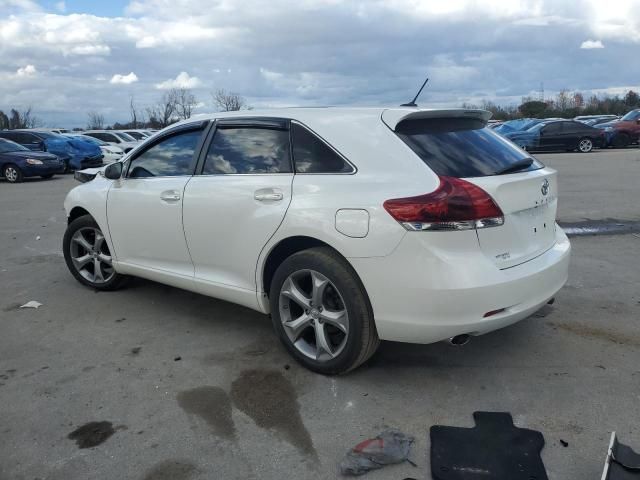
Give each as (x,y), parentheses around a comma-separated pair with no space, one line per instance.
(551,136)
(144,207)
(236,202)
(571,134)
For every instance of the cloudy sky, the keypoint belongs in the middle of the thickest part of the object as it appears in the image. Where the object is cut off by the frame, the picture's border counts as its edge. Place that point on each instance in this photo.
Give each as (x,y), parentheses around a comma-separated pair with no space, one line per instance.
(68,57)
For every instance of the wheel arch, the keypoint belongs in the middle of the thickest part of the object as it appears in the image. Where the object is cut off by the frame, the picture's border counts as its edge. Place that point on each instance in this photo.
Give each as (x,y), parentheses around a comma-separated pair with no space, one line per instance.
(284,249)
(77,212)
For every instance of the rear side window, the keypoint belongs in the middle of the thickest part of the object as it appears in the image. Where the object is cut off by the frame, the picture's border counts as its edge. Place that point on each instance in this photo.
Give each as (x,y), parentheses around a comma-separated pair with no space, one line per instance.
(172,156)
(552,128)
(248,150)
(461,147)
(312,155)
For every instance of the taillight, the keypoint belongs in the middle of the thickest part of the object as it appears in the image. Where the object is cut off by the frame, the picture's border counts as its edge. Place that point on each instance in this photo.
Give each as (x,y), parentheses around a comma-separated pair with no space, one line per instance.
(455,205)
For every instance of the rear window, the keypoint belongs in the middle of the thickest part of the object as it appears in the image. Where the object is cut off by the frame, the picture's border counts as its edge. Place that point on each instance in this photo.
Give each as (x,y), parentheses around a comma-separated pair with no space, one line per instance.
(461,147)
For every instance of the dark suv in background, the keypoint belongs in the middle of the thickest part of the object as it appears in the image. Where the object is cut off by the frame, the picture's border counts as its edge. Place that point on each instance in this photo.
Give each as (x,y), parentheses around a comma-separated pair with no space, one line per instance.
(623,132)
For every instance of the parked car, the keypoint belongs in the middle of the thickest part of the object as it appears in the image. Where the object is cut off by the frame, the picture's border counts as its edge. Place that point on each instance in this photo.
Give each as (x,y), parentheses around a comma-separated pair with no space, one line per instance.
(18,162)
(110,153)
(120,139)
(347,225)
(593,120)
(518,125)
(561,135)
(75,154)
(138,135)
(623,132)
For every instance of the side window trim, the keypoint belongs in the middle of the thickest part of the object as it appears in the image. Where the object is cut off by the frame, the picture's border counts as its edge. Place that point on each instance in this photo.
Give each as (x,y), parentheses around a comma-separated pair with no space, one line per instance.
(240,122)
(177,131)
(353,171)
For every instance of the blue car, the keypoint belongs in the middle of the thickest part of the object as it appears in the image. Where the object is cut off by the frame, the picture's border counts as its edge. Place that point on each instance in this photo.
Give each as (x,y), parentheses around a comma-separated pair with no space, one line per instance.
(18,162)
(519,125)
(76,154)
(558,135)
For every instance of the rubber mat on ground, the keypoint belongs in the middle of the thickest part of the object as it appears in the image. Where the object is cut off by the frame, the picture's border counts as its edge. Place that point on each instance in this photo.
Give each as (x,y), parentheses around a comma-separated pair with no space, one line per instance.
(494,449)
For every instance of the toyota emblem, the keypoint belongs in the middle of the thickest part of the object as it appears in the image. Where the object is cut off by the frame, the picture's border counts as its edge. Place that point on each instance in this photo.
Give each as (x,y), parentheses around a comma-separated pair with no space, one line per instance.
(545,187)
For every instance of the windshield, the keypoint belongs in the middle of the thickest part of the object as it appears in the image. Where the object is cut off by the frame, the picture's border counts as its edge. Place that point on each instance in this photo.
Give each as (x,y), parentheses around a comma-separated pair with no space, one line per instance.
(462,147)
(124,137)
(9,146)
(632,115)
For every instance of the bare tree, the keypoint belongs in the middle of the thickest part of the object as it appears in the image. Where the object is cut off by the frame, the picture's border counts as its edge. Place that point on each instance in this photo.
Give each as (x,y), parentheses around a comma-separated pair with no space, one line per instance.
(96,121)
(24,119)
(4,121)
(134,112)
(563,100)
(185,102)
(163,113)
(228,101)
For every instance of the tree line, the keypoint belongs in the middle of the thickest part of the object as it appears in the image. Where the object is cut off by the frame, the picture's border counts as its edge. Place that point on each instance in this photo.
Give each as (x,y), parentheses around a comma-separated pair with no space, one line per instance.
(174,105)
(566,104)
(18,119)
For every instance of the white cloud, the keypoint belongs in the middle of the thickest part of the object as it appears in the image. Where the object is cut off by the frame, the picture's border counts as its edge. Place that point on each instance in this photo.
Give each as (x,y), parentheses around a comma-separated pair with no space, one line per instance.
(124,79)
(28,71)
(183,80)
(589,44)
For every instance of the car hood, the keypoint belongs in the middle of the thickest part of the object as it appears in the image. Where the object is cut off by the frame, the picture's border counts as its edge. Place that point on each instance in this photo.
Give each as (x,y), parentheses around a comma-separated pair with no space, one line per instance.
(31,154)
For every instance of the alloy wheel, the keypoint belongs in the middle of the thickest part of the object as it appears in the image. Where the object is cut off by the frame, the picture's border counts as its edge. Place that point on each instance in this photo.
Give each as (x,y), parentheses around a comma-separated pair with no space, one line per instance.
(11,174)
(313,315)
(585,145)
(90,255)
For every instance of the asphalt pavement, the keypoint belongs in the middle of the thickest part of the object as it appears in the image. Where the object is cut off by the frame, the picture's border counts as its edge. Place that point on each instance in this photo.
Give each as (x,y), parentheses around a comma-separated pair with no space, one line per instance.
(152,382)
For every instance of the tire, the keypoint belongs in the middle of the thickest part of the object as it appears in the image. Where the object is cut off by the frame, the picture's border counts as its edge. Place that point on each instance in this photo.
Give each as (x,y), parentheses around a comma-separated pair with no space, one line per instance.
(86,252)
(47,176)
(344,302)
(585,145)
(12,173)
(621,140)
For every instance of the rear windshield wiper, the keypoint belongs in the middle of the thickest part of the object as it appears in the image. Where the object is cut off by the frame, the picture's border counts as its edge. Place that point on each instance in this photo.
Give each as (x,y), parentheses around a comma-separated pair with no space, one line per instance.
(516,167)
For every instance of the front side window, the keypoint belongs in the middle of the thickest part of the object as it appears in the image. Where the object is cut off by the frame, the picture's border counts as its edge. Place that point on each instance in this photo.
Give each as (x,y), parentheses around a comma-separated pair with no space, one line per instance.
(172,156)
(552,128)
(248,150)
(312,155)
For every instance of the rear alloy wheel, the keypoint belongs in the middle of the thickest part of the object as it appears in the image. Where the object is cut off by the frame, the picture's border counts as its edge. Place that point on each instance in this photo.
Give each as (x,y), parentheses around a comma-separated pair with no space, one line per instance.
(322,313)
(12,174)
(87,255)
(585,145)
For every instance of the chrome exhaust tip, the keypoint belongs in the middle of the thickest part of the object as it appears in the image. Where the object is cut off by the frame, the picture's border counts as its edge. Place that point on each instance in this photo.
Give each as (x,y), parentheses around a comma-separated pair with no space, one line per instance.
(460,340)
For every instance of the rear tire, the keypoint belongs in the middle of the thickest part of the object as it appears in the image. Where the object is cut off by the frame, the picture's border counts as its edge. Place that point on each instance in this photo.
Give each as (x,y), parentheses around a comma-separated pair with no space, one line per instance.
(328,328)
(87,255)
(585,145)
(12,173)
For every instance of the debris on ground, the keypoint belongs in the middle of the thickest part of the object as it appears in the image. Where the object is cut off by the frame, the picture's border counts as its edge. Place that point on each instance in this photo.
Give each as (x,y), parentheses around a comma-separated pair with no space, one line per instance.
(622,462)
(389,447)
(31,304)
(92,434)
(177,359)
(38,237)
(495,449)
(564,443)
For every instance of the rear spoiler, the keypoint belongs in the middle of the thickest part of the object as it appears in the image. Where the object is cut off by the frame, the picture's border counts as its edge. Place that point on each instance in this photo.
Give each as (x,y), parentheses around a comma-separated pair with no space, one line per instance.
(393,116)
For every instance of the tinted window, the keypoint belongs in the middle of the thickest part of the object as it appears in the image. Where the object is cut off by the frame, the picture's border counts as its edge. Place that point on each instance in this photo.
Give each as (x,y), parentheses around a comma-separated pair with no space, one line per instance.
(632,115)
(23,138)
(312,155)
(248,150)
(460,147)
(572,127)
(170,157)
(552,128)
(136,135)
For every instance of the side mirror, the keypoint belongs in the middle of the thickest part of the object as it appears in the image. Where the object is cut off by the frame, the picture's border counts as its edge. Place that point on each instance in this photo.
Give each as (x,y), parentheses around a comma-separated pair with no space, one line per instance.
(113,171)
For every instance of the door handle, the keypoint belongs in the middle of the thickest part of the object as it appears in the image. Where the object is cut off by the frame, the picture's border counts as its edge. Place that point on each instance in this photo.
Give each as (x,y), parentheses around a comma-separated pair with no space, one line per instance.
(170,196)
(268,195)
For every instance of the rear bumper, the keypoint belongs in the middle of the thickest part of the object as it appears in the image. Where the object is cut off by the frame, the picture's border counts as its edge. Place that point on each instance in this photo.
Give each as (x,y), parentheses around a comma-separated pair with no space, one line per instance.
(434,286)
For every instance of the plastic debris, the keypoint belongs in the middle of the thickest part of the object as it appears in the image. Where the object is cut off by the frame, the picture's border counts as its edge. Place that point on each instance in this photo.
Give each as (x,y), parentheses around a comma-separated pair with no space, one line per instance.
(31,304)
(389,447)
(38,237)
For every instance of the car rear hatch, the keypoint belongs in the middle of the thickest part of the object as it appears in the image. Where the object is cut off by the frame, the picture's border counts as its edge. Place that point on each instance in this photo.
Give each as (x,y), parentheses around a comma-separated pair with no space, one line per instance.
(459,148)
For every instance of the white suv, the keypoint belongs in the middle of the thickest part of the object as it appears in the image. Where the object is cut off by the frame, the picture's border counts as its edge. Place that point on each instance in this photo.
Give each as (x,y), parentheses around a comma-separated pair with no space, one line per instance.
(347,225)
(112,137)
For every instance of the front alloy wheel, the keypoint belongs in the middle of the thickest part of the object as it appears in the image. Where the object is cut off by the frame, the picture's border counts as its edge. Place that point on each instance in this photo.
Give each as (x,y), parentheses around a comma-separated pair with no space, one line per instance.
(87,255)
(12,174)
(585,145)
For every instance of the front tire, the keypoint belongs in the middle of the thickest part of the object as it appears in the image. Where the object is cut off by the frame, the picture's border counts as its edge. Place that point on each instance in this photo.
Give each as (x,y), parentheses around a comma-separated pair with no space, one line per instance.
(321,312)
(87,255)
(585,145)
(12,173)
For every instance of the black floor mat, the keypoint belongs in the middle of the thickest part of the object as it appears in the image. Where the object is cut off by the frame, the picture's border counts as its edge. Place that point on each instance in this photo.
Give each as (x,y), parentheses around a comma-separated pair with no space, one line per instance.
(493,450)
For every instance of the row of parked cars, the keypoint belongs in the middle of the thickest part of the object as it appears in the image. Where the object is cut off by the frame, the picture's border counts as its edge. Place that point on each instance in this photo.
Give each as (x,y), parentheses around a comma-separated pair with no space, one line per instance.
(583,133)
(46,152)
